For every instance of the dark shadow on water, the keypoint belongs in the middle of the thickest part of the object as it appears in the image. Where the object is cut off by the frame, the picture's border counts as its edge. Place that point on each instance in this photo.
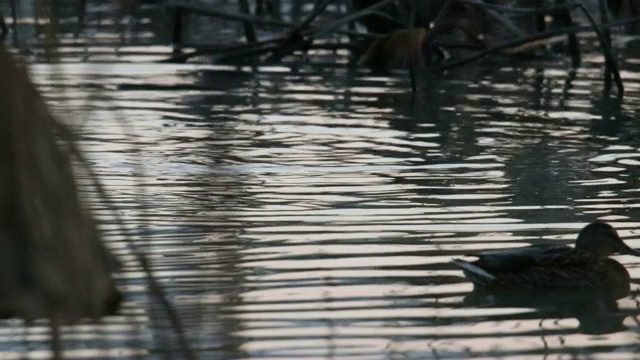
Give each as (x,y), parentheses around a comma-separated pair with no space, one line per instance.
(597,312)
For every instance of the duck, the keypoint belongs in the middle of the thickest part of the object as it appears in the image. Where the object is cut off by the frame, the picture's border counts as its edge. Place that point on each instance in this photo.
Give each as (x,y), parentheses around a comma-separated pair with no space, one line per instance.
(555,267)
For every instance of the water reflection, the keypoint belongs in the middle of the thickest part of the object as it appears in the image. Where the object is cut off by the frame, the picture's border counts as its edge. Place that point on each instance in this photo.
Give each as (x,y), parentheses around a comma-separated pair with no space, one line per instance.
(597,313)
(313,213)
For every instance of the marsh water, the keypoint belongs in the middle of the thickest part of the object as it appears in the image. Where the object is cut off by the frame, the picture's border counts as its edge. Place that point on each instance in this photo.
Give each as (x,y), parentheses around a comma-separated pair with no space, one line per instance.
(312,212)
(308,211)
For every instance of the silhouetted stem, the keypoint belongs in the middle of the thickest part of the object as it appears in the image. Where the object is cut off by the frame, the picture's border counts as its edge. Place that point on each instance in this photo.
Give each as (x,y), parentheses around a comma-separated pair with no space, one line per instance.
(82,11)
(534,37)
(295,39)
(3,28)
(14,21)
(564,18)
(604,19)
(208,11)
(607,52)
(356,15)
(176,36)
(505,22)
(249,31)
(318,9)
(414,54)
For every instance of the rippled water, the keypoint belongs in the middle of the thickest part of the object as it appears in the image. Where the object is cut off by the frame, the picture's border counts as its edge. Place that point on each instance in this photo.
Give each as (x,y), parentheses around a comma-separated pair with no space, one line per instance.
(312,213)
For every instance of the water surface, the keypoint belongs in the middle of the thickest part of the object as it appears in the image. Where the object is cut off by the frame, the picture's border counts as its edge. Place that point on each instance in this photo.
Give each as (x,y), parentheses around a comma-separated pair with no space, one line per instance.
(312,213)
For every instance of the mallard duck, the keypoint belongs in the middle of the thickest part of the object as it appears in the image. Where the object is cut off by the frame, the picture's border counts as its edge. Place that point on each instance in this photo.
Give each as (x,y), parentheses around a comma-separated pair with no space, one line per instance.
(585,266)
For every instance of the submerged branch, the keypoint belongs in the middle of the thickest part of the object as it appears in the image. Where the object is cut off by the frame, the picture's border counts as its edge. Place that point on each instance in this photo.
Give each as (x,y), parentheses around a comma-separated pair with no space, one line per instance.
(528,39)
(302,36)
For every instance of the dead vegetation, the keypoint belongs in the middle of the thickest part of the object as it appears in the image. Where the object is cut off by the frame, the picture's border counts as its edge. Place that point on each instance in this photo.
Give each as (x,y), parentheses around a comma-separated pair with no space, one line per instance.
(54,265)
(438,35)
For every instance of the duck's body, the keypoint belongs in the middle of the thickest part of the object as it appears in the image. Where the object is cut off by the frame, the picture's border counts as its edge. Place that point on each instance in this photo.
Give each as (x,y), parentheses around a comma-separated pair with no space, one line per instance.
(587,266)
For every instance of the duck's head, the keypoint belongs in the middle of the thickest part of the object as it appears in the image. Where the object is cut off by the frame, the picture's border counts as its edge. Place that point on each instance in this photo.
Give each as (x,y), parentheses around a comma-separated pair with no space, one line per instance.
(601,239)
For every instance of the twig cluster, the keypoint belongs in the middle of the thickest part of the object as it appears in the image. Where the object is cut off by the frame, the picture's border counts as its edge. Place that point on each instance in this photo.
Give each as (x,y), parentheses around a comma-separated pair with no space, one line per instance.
(406,46)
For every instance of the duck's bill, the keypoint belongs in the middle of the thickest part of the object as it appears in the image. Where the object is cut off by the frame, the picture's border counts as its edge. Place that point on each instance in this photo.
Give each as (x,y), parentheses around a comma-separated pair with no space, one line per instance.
(626,250)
